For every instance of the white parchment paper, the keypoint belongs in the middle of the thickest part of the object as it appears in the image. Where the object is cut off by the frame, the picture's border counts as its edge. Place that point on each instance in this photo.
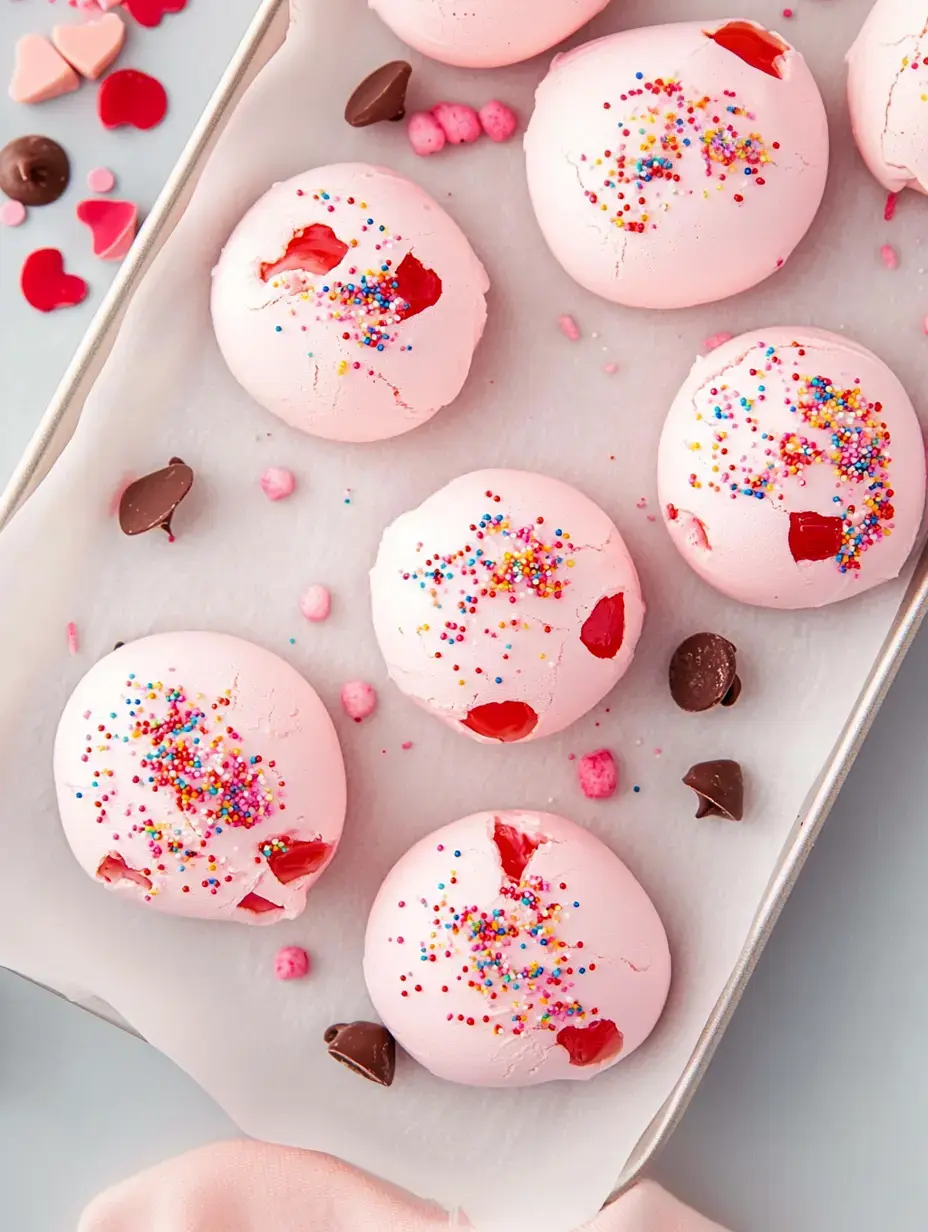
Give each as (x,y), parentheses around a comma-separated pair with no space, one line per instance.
(205,994)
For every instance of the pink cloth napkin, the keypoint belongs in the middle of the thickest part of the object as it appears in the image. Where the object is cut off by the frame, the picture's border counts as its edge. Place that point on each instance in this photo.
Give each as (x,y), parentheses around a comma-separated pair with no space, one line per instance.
(254,1187)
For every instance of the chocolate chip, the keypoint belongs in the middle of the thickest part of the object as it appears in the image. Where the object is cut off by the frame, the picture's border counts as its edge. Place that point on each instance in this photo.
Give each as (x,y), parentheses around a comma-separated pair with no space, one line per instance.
(119,645)
(34,170)
(720,788)
(365,1047)
(152,500)
(702,673)
(381,96)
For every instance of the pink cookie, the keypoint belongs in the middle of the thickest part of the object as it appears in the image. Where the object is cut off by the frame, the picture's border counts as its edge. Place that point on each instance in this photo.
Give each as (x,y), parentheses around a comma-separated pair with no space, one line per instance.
(679,164)
(289,322)
(459,122)
(91,47)
(887,92)
(598,775)
(506,604)
(200,775)
(791,469)
(40,73)
(359,700)
(498,121)
(485,33)
(514,948)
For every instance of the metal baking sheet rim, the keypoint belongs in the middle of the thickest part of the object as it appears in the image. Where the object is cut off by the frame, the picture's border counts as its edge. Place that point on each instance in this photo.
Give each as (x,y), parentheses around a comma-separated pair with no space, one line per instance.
(263,38)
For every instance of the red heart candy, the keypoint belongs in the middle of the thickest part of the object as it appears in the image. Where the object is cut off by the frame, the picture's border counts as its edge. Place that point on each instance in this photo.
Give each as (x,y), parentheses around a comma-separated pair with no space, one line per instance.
(131,97)
(113,224)
(45,284)
(150,12)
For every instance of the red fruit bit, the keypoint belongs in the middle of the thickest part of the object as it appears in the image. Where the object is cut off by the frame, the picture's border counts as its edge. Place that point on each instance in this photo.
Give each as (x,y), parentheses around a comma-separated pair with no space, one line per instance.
(505,721)
(814,537)
(113,869)
(299,860)
(45,284)
(316,249)
(515,848)
(600,1041)
(258,905)
(418,286)
(150,12)
(604,628)
(754,46)
(130,97)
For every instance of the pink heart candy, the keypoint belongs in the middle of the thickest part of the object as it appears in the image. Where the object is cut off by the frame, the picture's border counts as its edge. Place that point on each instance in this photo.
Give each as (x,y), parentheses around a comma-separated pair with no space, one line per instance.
(40,73)
(113,224)
(91,47)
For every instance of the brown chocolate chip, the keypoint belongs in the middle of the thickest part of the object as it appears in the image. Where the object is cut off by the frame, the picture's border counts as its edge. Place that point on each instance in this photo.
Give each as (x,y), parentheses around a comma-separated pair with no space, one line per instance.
(119,645)
(365,1047)
(152,500)
(34,170)
(381,96)
(720,788)
(702,673)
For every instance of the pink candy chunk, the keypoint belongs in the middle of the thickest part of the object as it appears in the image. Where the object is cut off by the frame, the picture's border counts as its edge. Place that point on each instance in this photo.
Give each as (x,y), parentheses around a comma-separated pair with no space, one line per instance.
(890,256)
(499,121)
(426,135)
(316,603)
(291,963)
(569,327)
(277,483)
(460,123)
(598,775)
(359,700)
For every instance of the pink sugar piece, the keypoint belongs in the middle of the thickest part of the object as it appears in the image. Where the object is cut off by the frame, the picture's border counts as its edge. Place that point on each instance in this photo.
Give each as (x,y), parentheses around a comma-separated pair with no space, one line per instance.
(73,645)
(598,775)
(12,214)
(316,603)
(459,122)
(277,483)
(359,700)
(40,73)
(100,180)
(889,210)
(498,121)
(113,225)
(641,503)
(610,369)
(569,327)
(717,340)
(925,325)
(426,135)
(407,744)
(291,962)
(890,257)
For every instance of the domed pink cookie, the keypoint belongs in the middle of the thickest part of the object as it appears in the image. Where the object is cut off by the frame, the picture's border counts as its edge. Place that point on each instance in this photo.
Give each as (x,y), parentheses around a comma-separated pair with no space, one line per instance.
(679,164)
(514,948)
(200,775)
(791,469)
(888,93)
(348,303)
(485,33)
(507,604)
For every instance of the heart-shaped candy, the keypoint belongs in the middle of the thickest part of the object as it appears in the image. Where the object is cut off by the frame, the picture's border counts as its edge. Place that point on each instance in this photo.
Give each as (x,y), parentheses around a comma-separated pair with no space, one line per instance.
(150,12)
(45,284)
(129,96)
(113,224)
(92,46)
(40,72)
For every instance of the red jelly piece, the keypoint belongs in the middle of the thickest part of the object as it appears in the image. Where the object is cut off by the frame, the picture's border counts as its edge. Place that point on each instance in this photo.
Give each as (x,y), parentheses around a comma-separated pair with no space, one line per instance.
(418,286)
(591,1045)
(515,848)
(130,97)
(45,284)
(113,868)
(604,629)
(299,860)
(753,45)
(258,905)
(813,537)
(506,721)
(150,12)
(316,249)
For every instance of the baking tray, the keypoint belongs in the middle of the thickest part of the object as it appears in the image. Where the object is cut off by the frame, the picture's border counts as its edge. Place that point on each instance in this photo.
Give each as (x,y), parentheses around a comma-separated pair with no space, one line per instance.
(264,37)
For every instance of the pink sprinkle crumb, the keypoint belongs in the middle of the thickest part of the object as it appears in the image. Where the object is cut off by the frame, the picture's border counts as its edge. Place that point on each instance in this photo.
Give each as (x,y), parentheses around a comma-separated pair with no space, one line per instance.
(316,603)
(787,13)
(642,503)
(890,257)
(598,775)
(407,744)
(359,700)
(717,340)
(277,483)
(925,325)
(291,963)
(459,122)
(610,369)
(889,210)
(426,135)
(569,327)
(100,180)
(499,122)
(12,213)
(72,638)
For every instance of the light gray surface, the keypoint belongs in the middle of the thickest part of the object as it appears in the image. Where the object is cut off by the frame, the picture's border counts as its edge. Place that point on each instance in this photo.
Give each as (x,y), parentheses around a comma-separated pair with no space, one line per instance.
(811,1117)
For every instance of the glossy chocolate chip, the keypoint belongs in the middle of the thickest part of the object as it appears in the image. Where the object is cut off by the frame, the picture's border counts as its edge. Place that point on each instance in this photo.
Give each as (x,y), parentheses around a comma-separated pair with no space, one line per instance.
(368,1048)
(720,788)
(150,502)
(380,96)
(34,170)
(702,673)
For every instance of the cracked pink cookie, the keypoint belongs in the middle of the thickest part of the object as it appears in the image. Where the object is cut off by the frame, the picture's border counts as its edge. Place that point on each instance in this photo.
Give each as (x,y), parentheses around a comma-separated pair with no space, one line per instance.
(791,469)
(888,93)
(200,775)
(485,33)
(679,164)
(507,604)
(349,303)
(514,948)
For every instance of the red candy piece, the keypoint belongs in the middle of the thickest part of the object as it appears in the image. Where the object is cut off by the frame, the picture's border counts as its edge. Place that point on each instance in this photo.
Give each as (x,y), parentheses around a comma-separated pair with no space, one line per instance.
(515,847)
(299,860)
(150,12)
(112,223)
(316,249)
(814,537)
(505,721)
(600,1041)
(258,905)
(756,47)
(45,284)
(604,628)
(131,97)
(113,869)
(419,287)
